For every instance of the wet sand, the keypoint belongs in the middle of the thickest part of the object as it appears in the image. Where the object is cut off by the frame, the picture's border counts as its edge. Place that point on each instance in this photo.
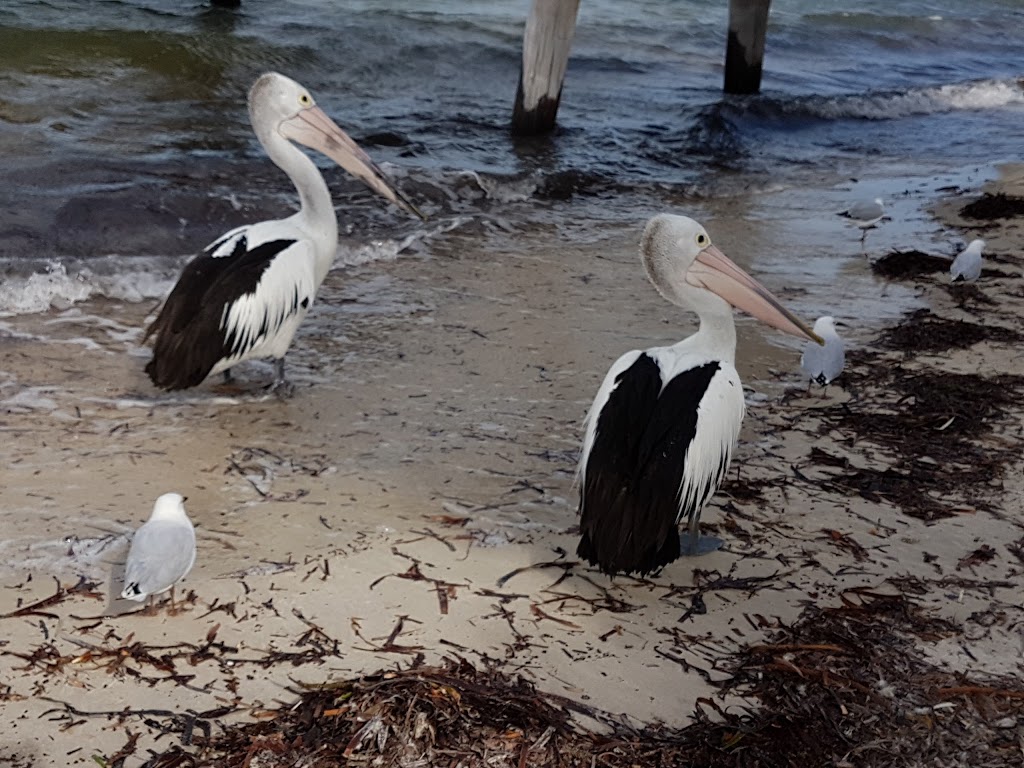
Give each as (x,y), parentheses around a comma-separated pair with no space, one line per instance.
(427,455)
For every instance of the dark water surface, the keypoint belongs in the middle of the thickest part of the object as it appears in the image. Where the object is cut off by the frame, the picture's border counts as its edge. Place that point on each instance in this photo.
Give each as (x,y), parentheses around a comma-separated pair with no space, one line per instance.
(123,127)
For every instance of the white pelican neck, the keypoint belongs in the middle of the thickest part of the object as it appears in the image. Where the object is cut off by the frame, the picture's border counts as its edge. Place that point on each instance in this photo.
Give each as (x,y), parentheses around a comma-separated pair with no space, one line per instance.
(717,332)
(316,209)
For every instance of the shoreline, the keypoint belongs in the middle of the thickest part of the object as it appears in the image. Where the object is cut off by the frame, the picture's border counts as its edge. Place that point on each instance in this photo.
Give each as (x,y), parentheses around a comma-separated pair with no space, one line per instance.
(429,454)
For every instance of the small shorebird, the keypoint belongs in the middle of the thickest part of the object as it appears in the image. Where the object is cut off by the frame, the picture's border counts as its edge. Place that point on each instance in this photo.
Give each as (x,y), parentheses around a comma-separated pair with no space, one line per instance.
(967,265)
(865,215)
(822,364)
(660,433)
(246,294)
(162,553)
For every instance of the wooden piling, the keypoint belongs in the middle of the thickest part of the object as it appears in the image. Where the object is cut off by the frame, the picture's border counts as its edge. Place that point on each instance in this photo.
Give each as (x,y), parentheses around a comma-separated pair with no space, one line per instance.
(744,52)
(546,44)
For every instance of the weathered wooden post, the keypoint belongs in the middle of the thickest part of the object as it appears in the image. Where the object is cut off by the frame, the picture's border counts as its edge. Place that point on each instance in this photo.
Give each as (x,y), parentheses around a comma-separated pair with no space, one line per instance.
(546,44)
(744,53)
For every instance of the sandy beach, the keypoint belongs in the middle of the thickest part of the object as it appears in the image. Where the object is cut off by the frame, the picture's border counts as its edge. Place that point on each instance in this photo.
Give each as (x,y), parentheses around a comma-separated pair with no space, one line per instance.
(414,499)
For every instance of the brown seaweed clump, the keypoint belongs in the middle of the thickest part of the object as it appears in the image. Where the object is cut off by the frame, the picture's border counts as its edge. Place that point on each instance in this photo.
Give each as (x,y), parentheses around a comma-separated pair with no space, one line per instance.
(994,206)
(843,686)
(907,264)
(932,423)
(924,331)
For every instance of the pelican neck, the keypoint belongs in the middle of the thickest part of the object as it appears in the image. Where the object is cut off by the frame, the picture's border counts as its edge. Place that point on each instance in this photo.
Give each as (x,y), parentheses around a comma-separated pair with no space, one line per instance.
(716,335)
(316,208)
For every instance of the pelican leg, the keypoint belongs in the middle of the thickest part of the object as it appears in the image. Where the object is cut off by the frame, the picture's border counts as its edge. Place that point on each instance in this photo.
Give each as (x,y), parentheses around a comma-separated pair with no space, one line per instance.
(229,377)
(696,544)
(281,386)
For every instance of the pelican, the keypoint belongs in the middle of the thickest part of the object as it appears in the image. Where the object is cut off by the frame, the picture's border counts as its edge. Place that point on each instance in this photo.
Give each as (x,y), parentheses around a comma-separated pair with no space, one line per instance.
(967,265)
(822,364)
(162,553)
(660,433)
(865,215)
(246,294)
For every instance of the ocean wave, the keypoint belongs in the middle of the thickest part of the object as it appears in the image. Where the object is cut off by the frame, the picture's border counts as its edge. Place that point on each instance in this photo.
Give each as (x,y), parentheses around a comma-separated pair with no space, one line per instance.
(31,288)
(886,105)
(58,287)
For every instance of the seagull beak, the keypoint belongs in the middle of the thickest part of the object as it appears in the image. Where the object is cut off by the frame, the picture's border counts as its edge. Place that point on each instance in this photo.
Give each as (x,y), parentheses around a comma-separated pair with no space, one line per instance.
(715,272)
(313,128)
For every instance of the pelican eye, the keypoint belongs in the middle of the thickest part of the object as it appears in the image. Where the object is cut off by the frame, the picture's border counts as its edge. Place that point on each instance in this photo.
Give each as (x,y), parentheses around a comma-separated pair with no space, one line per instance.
(305,101)
(703,240)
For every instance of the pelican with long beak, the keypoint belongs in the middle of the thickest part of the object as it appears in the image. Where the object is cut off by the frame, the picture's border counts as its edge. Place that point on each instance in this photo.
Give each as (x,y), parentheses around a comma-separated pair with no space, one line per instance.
(661,431)
(246,294)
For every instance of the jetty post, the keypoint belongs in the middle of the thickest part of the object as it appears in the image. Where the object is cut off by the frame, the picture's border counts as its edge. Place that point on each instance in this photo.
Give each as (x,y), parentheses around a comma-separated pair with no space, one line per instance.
(744,51)
(546,44)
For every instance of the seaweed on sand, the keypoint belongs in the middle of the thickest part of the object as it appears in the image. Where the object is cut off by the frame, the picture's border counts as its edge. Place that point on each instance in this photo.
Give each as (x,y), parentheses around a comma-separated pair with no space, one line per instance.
(843,686)
(924,331)
(902,264)
(997,206)
(931,421)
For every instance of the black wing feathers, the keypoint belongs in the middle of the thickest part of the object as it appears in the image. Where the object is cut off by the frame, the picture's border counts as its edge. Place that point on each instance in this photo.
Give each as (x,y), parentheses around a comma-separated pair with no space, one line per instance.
(189,339)
(630,502)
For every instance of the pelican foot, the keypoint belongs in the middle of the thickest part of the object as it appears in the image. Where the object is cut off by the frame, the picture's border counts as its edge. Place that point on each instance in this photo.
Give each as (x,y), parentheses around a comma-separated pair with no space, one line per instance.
(282,388)
(701,545)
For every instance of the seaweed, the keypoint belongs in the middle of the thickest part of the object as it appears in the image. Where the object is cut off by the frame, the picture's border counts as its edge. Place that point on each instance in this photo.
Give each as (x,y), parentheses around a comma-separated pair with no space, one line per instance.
(844,685)
(924,331)
(993,206)
(913,263)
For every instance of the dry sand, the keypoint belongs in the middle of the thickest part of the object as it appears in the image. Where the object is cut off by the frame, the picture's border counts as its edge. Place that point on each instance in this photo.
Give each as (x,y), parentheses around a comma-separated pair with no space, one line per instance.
(385,510)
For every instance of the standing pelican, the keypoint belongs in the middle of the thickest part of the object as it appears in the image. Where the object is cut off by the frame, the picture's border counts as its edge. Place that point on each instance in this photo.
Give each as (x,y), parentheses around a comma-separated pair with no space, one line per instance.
(661,431)
(865,215)
(246,294)
(819,363)
(967,265)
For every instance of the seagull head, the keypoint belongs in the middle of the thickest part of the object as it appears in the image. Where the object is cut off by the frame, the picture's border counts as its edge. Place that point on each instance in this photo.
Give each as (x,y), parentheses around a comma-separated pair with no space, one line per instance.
(688,269)
(170,506)
(279,105)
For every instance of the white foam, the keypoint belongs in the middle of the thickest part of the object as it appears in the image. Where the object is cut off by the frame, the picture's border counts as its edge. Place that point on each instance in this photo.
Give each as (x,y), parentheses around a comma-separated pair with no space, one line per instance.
(89,557)
(59,288)
(30,399)
(987,94)
(505,190)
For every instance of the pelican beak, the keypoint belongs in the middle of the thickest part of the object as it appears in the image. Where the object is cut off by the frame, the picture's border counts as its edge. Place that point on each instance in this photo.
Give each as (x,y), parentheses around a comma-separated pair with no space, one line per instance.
(313,128)
(714,271)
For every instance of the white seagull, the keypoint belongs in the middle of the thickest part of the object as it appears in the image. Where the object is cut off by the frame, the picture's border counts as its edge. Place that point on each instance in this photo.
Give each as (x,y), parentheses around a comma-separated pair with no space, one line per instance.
(162,553)
(247,293)
(865,215)
(661,431)
(822,364)
(967,265)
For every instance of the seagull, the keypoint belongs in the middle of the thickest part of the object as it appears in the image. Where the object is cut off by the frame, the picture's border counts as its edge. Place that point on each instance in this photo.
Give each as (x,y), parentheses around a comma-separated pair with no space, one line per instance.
(866,215)
(822,364)
(246,294)
(163,551)
(661,431)
(967,265)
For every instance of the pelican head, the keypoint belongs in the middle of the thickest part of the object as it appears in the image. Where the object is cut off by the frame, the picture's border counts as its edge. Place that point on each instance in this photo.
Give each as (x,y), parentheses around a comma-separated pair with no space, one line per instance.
(688,270)
(170,506)
(278,104)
